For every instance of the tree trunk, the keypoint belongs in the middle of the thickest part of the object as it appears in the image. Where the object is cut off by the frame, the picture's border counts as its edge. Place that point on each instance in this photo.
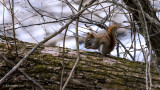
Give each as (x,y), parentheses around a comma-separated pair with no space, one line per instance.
(153,29)
(93,71)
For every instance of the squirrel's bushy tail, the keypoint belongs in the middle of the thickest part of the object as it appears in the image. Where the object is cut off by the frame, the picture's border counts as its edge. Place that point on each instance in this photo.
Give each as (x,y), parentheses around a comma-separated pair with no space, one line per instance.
(112,36)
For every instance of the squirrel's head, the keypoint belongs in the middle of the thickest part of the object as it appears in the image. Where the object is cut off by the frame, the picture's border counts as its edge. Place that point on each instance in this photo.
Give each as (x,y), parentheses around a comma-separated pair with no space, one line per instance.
(90,40)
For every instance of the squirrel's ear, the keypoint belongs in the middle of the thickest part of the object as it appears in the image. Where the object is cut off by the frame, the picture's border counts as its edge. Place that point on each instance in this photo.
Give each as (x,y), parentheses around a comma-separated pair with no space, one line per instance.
(88,33)
(92,35)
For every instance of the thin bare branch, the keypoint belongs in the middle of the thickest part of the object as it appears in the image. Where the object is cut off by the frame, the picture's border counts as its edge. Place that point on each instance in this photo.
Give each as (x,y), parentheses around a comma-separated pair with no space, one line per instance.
(77,45)
(61,82)
(14,33)
(126,50)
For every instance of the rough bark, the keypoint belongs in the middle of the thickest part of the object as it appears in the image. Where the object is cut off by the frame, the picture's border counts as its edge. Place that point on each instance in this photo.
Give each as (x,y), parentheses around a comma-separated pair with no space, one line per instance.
(93,72)
(153,29)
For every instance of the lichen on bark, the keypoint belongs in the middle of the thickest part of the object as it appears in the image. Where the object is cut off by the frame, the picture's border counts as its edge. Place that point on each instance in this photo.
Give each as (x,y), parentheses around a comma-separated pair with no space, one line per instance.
(93,71)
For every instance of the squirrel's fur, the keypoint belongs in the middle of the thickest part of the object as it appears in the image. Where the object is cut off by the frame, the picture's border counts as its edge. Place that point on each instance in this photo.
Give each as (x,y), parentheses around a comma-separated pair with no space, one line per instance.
(104,43)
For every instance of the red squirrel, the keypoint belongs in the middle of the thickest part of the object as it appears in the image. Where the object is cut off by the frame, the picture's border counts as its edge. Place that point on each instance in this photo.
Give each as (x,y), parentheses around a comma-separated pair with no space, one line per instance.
(104,43)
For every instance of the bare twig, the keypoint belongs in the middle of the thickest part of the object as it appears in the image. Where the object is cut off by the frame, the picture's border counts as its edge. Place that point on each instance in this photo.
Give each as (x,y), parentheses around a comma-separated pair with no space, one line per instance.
(60,20)
(150,47)
(126,50)
(61,82)
(78,54)
(4,32)
(14,33)
(117,49)
(34,8)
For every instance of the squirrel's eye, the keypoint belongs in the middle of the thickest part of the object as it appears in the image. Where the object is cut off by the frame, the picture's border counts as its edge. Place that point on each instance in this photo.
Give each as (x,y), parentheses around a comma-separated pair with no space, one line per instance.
(89,40)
